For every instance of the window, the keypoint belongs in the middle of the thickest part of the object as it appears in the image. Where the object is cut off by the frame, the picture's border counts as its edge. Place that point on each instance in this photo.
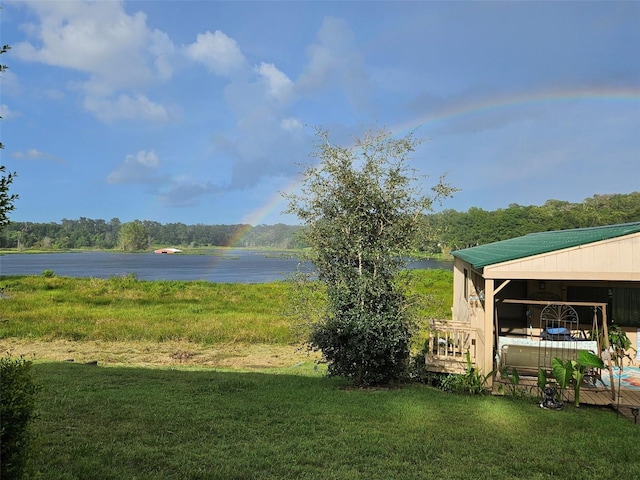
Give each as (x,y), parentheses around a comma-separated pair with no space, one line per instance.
(625,308)
(623,303)
(466,284)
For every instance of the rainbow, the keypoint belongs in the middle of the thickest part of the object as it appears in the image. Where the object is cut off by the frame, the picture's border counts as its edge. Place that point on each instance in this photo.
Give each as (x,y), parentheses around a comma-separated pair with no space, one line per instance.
(490,104)
(476,106)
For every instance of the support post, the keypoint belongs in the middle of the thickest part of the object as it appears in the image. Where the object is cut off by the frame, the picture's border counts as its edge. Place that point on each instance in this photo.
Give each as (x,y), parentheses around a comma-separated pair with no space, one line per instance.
(605,333)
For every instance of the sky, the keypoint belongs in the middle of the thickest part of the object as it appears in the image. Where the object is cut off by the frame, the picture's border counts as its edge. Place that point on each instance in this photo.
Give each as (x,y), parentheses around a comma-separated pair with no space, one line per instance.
(202,112)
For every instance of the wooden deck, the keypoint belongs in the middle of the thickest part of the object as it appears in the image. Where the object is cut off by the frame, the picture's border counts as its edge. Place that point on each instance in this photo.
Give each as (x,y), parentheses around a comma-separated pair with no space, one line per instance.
(596,396)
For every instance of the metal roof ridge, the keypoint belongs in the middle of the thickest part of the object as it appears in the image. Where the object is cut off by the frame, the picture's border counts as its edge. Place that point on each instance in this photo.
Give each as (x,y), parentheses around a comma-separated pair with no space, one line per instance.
(484,255)
(579,229)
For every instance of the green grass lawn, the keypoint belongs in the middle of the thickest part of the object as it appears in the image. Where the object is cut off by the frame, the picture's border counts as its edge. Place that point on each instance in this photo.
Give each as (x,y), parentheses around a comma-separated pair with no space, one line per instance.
(132,422)
(145,423)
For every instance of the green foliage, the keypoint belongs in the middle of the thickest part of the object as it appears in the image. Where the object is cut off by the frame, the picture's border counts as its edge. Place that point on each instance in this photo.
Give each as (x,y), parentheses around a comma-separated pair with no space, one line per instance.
(513,388)
(98,233)
(573,371)
(6,199)
(368,349)
(48,273)
(472,381)
(542,379)
(453,230)
(6,179)
(361,208)
(17,404)
(620,343)
(134,236)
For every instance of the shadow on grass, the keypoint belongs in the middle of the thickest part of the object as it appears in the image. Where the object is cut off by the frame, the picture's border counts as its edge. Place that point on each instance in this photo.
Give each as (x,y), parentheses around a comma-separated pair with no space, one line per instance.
(121,423)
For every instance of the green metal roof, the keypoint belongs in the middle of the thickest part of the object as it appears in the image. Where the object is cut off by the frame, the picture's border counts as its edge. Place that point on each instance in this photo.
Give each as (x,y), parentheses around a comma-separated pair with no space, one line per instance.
(541,242)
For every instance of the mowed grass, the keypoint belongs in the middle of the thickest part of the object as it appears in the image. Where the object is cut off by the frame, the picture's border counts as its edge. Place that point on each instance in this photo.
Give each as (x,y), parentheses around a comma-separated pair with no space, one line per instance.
(144,423)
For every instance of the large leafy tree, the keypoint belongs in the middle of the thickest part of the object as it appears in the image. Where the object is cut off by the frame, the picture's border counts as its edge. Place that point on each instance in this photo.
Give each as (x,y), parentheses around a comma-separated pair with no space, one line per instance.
(6,179)
(134,236)
(362,208)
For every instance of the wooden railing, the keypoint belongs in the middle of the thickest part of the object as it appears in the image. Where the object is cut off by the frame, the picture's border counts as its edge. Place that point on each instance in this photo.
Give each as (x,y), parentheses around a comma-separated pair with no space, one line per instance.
(448,344)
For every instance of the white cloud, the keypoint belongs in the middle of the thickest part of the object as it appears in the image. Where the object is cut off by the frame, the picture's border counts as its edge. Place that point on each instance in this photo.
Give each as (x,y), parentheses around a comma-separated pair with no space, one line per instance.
(334,60)
(279,86)
(114,50)
(6,113)
(218,52)
(125,107)
(139,168)
(35,154)
(290,124)
(10,84)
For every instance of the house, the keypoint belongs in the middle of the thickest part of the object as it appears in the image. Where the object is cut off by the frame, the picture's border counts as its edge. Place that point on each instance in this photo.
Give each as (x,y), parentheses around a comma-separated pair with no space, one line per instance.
(525,300)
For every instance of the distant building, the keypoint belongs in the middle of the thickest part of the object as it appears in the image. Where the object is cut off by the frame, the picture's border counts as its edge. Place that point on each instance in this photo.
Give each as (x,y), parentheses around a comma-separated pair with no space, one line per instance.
(168,250)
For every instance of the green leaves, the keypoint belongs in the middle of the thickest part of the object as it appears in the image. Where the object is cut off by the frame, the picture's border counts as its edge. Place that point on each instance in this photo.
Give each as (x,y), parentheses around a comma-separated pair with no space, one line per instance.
(362,207)
(18,393)
(589,360)
(134,236)
(566,371)
(562,371)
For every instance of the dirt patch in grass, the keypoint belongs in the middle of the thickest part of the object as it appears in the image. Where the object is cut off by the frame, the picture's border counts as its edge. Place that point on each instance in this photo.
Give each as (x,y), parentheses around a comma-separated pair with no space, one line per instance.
(160,354)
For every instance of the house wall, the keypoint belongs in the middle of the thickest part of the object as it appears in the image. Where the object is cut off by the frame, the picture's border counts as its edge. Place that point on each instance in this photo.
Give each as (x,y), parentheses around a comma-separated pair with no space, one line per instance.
(614,259)
(469,300)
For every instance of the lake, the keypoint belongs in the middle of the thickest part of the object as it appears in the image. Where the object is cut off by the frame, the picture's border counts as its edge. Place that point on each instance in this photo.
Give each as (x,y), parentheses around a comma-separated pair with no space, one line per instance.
(230,266)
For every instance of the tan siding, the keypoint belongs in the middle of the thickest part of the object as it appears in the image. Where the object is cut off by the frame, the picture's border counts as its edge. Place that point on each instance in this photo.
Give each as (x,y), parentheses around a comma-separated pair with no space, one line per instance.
(615,259)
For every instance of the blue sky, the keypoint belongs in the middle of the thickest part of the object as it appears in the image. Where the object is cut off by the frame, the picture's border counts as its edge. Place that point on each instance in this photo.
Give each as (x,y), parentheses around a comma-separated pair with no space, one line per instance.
(201,111)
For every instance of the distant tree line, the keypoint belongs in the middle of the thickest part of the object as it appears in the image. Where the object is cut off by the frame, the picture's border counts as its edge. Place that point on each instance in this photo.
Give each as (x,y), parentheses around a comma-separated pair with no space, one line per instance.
(442,232)
(451,230)
(114,234)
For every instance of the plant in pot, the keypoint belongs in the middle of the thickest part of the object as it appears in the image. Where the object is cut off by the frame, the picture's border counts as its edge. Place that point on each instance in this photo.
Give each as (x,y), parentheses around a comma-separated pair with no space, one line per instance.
(568,372)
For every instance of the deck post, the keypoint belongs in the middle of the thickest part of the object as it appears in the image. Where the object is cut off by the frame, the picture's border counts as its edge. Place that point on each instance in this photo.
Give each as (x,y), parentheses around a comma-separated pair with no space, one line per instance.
(486,364)
(605,334)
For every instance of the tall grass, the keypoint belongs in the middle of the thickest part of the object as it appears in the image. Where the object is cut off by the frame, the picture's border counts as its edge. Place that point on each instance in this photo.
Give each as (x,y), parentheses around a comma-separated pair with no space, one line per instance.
(123,308)
(127,309)
(123,423)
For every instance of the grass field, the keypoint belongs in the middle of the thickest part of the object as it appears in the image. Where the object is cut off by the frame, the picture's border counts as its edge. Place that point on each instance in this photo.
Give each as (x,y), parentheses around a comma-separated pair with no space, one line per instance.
(113,320)
(293,423)
(206,381)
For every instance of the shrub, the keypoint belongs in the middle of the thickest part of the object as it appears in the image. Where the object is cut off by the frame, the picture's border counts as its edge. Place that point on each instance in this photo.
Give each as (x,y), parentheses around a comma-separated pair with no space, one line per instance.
(367,348)
(472,381)
(48,273)
(18,396)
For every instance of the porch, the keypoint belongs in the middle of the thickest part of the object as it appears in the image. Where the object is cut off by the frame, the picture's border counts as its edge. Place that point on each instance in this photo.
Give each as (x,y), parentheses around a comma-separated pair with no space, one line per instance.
(450,341)
(448,344)
(626,402)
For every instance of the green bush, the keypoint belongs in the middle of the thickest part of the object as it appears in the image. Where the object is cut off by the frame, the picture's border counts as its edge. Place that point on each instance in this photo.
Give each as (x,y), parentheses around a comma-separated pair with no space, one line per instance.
(472,381)
(48,273)
(367,348)
(17,404)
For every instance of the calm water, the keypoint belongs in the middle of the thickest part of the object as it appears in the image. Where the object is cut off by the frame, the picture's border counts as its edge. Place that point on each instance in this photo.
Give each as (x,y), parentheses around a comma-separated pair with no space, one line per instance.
(233,266)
